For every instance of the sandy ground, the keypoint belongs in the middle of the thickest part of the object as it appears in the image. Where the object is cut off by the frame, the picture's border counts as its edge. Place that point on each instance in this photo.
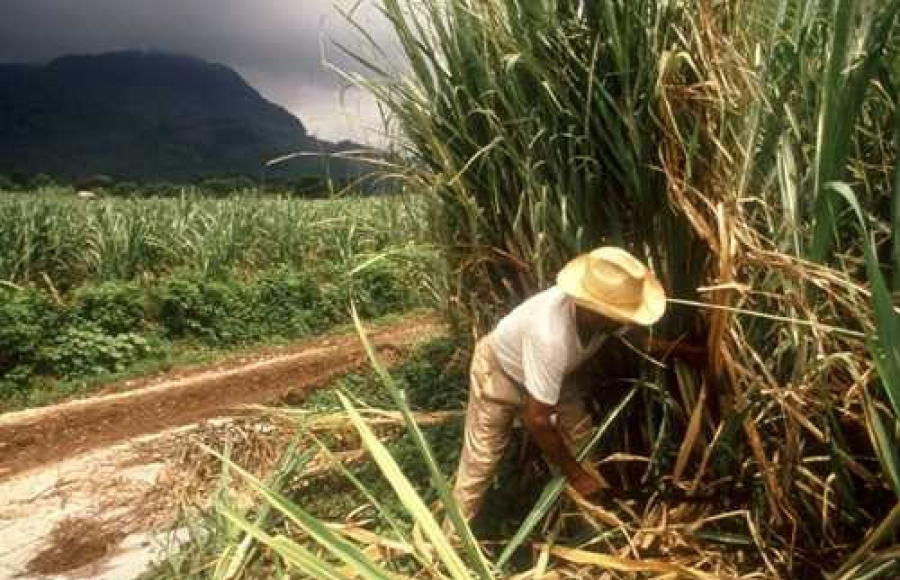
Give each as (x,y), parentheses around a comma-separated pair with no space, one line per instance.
(91,488)
(96,515)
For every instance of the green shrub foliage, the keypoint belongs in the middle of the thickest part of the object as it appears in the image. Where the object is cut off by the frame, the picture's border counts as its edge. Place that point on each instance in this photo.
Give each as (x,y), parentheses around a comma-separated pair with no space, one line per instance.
(27,319)
(115,307)
(106,327)
(214,311)
(86,349)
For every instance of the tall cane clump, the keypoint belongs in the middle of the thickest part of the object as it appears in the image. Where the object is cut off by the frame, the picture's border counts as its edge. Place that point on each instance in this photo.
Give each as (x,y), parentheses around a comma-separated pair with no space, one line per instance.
(747,150)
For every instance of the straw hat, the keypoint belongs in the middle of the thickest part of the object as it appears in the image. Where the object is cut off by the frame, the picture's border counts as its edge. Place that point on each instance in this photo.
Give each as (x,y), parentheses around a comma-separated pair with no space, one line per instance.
(614,283)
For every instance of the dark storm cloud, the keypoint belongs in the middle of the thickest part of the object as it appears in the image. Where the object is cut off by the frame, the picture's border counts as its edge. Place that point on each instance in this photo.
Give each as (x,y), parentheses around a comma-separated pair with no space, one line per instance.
(275,44)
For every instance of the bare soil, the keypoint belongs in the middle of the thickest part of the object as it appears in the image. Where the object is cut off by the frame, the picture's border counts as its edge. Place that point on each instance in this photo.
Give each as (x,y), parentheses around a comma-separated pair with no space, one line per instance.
(88,485)
(29,439)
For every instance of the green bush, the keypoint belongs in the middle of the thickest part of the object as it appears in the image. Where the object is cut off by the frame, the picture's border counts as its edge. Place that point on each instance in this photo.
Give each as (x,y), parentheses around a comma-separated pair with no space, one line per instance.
(219,313)
(334,305)
(382,287)
(38,336)
(85,350)
(225,186)
(161,189)
(42,180)
(282,302)
(125,189)
(435,376)
(108,327)
(27,317)
(116,307)
(287,303)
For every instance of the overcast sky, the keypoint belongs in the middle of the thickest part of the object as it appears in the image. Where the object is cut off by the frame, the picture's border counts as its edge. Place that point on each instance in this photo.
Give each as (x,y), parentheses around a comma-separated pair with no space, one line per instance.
(275,44)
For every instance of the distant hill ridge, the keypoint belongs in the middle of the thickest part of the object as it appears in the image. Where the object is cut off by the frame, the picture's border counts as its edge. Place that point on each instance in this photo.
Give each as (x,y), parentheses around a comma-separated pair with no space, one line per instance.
(148,116)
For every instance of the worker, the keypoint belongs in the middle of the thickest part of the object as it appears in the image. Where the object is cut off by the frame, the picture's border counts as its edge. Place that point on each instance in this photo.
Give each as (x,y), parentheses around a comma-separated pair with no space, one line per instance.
(520,368)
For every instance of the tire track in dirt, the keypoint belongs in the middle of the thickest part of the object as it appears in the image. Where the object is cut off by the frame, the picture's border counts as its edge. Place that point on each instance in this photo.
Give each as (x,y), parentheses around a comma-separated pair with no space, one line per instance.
(39,437)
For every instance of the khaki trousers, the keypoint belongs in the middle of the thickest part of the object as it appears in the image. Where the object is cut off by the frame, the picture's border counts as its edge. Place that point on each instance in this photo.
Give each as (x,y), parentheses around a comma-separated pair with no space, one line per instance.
(495,400)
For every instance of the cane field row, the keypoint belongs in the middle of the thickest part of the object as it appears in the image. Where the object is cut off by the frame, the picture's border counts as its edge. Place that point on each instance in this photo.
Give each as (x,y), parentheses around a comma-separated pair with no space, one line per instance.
(64,242)
(94,290)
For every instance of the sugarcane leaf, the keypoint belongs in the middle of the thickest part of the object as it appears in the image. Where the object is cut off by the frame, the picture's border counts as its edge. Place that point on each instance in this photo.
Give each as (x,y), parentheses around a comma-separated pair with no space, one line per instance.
(338,546)
(884,439)
(293,553)
(470,545)
(407,494)
(886,346)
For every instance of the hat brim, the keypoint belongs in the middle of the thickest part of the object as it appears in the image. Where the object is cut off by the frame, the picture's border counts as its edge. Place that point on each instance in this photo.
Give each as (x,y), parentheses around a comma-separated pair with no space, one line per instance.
(648,311)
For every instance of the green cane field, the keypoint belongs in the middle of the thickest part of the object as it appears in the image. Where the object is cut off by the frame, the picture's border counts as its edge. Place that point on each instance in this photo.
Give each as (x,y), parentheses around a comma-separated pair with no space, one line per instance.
(746,150)
(96,291)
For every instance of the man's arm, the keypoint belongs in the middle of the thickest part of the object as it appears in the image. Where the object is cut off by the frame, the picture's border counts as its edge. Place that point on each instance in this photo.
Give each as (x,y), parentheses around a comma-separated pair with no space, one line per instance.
(540,422)
(661,348)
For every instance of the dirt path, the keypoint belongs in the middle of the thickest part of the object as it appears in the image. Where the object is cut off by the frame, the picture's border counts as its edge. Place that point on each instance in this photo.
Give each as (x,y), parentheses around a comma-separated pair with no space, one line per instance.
(88,487)
(37,437)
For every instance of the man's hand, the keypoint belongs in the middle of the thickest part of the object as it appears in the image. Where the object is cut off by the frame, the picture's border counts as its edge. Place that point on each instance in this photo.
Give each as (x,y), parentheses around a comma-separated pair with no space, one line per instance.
(689,350)
(540,421)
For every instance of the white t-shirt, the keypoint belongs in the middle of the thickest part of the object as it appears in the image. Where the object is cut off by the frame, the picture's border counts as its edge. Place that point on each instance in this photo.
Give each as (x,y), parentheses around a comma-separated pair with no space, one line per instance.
(537,344)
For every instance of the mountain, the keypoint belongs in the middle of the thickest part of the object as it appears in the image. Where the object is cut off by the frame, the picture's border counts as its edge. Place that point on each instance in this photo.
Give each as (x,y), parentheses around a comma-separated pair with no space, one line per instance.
(149,116)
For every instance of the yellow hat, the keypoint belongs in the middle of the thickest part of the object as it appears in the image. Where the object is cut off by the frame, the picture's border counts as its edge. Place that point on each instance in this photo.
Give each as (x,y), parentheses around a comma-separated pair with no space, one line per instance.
(614,283)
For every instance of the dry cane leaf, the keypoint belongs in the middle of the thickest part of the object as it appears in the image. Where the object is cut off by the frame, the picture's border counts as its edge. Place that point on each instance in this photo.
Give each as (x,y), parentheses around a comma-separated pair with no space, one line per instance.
(584,557)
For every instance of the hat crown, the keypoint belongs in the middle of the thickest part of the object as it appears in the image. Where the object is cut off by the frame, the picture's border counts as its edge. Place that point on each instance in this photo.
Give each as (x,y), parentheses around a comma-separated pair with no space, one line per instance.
(615,276)
(612,282)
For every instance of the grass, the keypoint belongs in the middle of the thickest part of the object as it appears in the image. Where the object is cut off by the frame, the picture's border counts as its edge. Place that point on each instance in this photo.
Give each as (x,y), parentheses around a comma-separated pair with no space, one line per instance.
(303,526)
(746,150)
(102,288)
(329,496)
(63,243)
